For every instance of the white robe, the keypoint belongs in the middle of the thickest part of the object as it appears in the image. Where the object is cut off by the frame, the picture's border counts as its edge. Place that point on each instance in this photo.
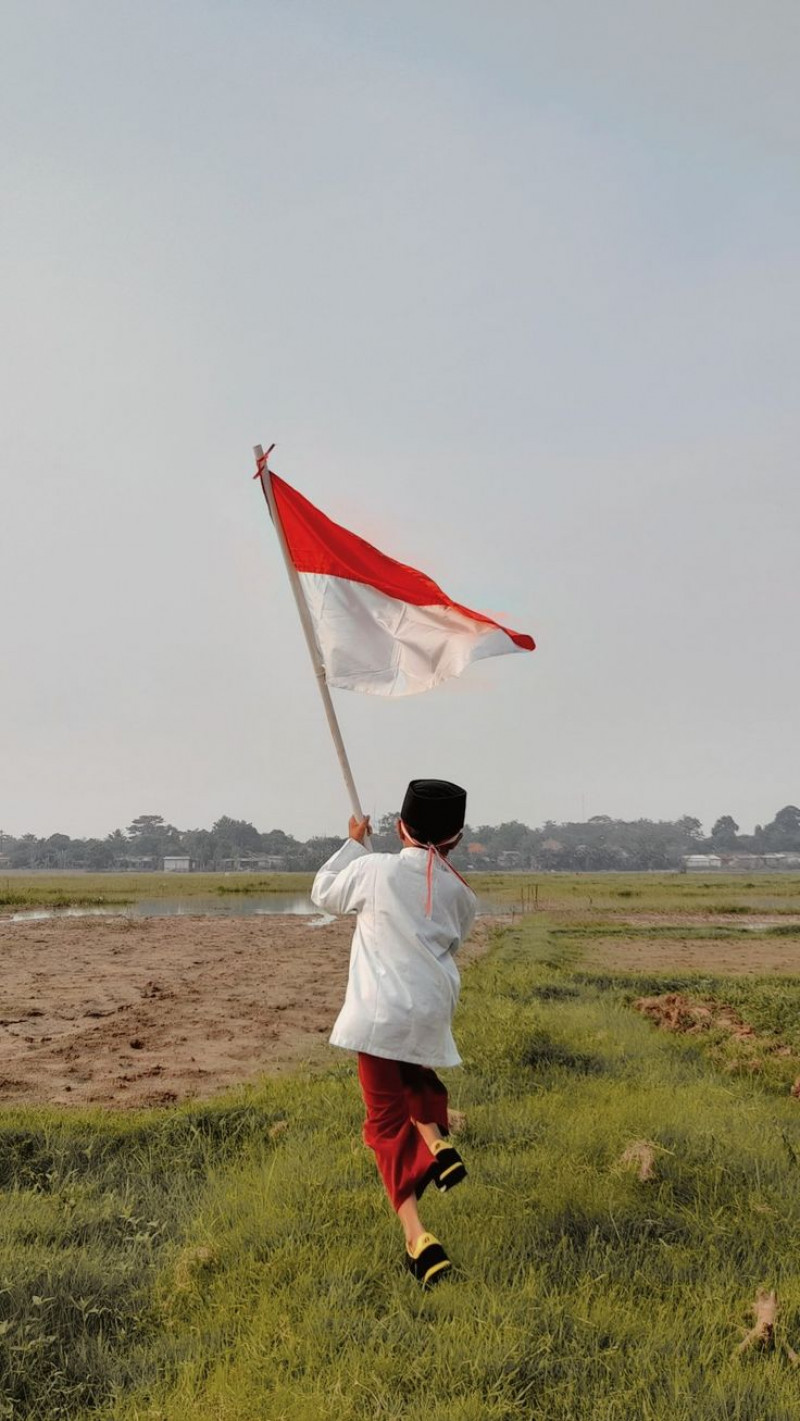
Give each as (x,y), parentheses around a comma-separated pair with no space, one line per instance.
(403,985)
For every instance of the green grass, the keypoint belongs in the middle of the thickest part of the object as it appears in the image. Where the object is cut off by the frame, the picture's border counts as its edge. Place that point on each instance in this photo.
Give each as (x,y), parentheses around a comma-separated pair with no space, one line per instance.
(197,1265)
(606,894)
(625,895)
(121,889)
(770,1005)
(90,1204)
(622,895)
(653,932)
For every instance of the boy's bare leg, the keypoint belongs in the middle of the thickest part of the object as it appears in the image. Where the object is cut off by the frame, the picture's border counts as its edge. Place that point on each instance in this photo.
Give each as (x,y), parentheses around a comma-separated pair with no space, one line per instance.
(408,1215)
(429,1133)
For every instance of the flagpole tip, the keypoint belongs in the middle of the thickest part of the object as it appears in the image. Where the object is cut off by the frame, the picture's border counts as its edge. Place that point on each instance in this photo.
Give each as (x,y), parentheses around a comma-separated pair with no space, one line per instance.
(262,465)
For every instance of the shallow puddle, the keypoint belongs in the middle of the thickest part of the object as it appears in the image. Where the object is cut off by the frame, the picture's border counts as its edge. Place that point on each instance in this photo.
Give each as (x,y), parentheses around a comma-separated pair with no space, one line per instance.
(234,905)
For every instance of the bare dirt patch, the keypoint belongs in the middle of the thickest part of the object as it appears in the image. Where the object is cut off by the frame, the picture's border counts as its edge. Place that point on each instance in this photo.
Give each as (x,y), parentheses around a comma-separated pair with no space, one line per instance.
(735,956)
(765,1312)
(676,1012)
(149,1011)
(641,1156)
(733,1043)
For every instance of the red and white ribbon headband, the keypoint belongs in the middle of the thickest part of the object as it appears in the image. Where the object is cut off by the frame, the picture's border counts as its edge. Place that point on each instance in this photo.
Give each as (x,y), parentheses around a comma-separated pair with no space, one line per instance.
(435,852)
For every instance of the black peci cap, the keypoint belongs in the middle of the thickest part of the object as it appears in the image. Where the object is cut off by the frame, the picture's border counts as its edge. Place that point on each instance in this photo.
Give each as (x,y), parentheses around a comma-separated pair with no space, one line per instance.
(434,810)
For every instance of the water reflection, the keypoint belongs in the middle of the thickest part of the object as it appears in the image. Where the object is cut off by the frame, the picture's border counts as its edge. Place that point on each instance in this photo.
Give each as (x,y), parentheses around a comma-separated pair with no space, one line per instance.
(233,905)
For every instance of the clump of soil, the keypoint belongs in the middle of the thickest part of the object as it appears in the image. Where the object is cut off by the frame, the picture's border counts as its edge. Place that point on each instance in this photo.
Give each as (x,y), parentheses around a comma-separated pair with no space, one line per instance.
(736,1046)
(765,1311)
(676,1012)
(641,1156)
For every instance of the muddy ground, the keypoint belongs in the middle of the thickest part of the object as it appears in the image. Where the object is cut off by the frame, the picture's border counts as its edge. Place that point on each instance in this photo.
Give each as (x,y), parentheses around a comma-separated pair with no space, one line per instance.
(149,1011)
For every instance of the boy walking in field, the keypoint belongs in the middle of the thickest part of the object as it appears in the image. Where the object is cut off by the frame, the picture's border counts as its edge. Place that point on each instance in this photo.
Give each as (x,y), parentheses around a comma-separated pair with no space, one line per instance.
(413,912)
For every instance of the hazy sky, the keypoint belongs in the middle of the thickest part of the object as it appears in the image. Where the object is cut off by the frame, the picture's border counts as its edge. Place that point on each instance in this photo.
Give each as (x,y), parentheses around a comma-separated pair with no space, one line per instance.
(514,286)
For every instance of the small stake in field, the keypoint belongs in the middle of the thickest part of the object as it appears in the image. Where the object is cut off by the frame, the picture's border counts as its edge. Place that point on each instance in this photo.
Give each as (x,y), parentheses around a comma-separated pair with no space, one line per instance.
(528,898)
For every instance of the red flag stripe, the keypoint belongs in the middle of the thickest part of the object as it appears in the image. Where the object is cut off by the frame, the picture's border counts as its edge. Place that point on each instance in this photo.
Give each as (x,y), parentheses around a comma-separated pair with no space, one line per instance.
(317,544)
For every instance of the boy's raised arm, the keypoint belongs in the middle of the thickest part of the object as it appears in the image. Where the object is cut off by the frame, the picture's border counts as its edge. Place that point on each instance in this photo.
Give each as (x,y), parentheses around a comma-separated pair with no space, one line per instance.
(338,886)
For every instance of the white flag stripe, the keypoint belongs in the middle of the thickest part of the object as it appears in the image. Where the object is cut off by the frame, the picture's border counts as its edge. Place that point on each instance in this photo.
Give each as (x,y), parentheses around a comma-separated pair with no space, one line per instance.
(380,645)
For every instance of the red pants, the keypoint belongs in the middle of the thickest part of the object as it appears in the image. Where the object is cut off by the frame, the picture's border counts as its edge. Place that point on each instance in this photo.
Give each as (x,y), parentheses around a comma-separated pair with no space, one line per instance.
(396,1094)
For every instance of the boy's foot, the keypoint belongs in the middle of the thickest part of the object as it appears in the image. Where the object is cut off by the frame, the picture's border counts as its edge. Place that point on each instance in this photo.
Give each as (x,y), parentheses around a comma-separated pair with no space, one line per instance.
(427,1260)
(449,1167)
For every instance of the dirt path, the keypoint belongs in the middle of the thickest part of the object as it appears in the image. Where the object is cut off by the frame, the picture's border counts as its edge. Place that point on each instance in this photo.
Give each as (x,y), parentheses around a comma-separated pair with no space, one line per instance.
(148,1011)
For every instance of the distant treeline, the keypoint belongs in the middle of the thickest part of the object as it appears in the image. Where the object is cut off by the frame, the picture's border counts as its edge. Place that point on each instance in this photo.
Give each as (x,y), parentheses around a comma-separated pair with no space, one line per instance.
(600,843)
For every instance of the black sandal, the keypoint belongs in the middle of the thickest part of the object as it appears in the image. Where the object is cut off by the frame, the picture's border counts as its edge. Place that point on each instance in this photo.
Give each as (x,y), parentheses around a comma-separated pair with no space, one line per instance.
(449,1168)
(430,1262)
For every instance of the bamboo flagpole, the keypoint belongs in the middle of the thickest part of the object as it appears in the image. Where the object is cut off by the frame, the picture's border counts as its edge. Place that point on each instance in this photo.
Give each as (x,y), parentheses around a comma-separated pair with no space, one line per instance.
(263,474)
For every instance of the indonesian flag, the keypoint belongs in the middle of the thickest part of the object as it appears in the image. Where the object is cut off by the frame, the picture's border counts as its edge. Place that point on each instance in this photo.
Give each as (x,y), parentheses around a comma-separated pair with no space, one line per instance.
(380,627)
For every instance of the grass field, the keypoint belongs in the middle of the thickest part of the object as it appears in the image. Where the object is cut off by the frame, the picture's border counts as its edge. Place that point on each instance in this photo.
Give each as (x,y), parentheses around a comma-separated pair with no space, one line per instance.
(98,890)
(238,1260)
(558,893)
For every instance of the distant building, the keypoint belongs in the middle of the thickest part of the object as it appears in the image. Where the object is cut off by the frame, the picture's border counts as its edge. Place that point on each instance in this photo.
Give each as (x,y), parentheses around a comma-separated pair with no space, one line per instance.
(741,863)
(753,863)
(744,863)
(177,863)
(254,863)
(260,863)
(477,857)
(135,863)
(700,863)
